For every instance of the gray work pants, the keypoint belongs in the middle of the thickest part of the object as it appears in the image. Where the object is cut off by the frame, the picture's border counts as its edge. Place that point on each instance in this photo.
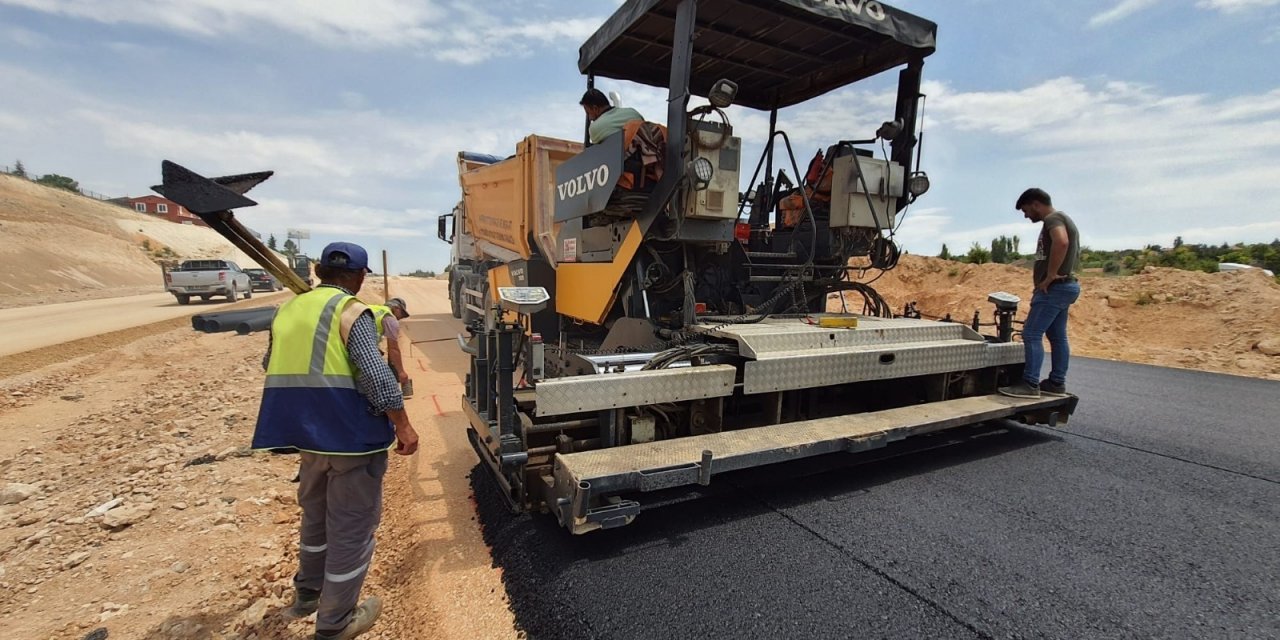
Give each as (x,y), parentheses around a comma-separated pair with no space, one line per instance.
(341,500)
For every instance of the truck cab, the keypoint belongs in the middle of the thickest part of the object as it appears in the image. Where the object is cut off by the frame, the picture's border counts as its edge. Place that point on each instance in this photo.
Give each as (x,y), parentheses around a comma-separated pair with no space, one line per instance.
(467,266)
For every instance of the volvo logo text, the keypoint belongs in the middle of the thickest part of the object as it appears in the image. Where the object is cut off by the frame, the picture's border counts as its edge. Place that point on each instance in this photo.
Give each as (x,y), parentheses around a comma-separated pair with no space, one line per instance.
(583,183)
(874,9)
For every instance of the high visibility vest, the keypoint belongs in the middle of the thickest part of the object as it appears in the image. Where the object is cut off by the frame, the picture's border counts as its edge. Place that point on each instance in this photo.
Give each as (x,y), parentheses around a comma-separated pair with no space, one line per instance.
(310,401)
(380,311)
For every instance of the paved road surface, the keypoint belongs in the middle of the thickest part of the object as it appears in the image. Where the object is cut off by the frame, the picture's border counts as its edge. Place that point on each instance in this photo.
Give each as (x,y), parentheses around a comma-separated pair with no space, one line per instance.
(1156,513)
(27,328)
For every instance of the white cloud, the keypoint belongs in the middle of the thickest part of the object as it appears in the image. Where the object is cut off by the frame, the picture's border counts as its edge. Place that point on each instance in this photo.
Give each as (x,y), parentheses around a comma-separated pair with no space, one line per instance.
(25,38)
(13,122)
(1235,6)
(1127,160)
(347,220)
(305,156)
(1121,11)
(457,32)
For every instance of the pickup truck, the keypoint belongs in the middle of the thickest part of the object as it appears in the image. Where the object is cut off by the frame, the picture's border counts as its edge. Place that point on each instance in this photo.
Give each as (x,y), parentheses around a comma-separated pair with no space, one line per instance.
(207,278)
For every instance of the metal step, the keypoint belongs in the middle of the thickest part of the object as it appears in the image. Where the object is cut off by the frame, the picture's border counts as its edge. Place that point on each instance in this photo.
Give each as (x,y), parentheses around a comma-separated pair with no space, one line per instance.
(583,477)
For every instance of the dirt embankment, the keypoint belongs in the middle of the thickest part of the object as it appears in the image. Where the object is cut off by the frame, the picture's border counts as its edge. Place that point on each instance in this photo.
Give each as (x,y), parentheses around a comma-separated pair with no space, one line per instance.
(61,247)
(1224,322)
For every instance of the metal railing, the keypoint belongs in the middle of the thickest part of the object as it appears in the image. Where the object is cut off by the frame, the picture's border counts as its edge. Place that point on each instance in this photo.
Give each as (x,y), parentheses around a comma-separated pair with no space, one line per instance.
(34,176)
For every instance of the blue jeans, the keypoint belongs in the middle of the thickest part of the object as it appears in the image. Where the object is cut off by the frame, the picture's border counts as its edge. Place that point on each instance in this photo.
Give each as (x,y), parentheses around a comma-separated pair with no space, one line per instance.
(1048,315)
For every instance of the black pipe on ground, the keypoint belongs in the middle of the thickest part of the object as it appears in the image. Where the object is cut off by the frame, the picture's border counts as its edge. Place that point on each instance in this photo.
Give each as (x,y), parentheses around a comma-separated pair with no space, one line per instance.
(198,321)
(228,323)
(254,324)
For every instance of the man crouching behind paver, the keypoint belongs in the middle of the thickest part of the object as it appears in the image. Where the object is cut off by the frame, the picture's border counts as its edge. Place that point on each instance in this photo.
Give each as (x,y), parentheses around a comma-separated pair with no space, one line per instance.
(331,396)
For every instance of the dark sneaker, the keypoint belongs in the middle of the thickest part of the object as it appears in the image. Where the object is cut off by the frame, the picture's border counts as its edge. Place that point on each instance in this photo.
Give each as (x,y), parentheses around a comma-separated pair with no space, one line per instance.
(1021,390)
(305,602)
(361,620)
(1051,388)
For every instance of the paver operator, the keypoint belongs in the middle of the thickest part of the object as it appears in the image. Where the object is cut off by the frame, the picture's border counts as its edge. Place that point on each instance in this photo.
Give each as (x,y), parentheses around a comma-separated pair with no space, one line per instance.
(330,395)
(605,118)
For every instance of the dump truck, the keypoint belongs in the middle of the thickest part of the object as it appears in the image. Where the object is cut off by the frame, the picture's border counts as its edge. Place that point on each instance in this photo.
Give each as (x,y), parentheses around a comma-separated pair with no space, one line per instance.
(638,321)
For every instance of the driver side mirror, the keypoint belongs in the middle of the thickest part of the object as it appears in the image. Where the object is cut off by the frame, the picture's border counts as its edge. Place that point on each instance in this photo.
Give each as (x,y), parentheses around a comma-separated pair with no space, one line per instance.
(442,228)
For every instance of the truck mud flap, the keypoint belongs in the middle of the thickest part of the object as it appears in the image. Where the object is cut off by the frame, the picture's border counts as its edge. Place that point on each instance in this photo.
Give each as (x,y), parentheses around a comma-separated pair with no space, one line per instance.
(583,494)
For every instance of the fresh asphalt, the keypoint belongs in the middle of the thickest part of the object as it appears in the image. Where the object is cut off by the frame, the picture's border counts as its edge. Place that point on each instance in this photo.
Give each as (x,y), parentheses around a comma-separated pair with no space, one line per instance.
(1154,513)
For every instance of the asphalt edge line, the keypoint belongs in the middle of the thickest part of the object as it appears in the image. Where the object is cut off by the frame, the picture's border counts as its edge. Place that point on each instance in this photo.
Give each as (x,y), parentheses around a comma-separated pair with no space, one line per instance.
(1168,456)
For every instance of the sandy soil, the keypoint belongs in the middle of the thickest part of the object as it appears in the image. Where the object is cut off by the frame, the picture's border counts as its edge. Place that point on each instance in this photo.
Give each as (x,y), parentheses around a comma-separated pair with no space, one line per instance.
(57,246)
(1220,322)
(199,540)
(30,328)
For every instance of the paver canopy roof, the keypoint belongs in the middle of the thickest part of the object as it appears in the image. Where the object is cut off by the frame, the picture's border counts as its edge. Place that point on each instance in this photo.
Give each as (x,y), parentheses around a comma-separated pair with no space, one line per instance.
(779,52)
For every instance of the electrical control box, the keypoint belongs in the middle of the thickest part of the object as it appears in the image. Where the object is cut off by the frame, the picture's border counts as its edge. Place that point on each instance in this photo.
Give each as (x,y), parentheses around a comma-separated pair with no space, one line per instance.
(719,201)
(869,201)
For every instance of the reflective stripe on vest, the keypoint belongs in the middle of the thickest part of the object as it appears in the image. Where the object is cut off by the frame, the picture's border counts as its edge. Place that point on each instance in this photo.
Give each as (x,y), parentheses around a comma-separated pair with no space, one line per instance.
(310,400)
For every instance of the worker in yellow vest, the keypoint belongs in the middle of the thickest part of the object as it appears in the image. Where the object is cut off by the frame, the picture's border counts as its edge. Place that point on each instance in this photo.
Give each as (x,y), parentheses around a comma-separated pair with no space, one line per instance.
(388,317)
(331,396)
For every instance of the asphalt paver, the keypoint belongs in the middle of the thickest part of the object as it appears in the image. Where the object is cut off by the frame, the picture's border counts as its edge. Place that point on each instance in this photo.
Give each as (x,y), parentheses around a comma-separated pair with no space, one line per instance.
(1154,513)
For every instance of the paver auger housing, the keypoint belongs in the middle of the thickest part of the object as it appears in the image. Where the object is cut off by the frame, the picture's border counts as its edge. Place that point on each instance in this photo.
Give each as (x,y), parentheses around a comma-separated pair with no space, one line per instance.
(638,324)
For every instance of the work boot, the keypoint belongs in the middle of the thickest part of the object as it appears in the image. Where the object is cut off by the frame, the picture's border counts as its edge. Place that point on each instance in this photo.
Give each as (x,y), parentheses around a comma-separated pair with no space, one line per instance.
(1051,388)
(1023,389)
(305,602)
(361,620)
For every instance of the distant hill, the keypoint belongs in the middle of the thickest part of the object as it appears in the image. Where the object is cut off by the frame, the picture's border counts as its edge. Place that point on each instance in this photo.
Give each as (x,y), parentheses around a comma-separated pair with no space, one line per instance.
(58,246)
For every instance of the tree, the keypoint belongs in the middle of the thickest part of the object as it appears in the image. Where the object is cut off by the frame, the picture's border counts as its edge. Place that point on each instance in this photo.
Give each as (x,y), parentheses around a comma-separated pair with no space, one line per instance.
(290,249)
(946,253)
(19,169)
(977,255)
(271,242)
(1177,242)
(59,182)
(1003,249)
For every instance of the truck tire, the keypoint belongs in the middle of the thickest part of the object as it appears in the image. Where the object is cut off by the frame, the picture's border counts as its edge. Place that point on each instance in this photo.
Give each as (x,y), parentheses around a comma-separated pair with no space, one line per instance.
(183,299)
(455,297)
(234,295)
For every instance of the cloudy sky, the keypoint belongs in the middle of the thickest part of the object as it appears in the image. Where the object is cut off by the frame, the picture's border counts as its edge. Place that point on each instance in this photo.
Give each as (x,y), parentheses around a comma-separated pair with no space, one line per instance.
(1146,119)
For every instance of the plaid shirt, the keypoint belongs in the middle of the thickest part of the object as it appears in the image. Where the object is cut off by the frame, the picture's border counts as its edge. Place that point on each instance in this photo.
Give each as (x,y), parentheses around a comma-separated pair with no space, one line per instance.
(374,377)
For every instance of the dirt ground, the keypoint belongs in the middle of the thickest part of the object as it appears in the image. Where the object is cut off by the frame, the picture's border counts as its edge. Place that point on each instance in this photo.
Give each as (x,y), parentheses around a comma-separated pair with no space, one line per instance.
(1224,322)
(133,505)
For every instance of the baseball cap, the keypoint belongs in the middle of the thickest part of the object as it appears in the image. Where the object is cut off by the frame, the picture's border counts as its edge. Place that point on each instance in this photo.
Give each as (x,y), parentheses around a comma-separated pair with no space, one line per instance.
(399,302)
(345,255)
